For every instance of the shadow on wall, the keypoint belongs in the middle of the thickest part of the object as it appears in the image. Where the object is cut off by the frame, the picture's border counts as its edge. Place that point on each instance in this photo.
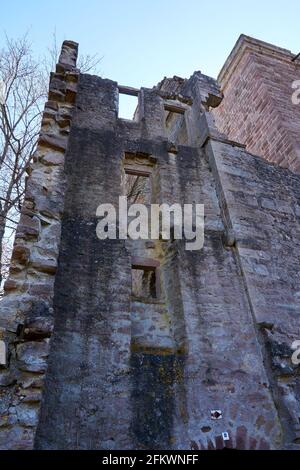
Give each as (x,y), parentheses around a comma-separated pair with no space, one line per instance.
(153,398)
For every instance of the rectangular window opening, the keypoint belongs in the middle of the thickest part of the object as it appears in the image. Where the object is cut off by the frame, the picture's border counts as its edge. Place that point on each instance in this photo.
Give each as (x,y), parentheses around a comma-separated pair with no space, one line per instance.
(136,179)
(144,283)
(175,123)
(172,118)
(137,188)
(145,279)
(128,103)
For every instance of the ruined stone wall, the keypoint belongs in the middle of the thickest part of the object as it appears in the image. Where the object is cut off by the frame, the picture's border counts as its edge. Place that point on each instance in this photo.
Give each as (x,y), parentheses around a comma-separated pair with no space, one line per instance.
(26,313)
(129,372)
(257,109)
(150,372)
(261,205)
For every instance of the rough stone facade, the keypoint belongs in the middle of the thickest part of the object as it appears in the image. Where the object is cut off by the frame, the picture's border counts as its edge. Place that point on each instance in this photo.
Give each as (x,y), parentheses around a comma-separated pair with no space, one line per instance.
(203,346)
(26,318)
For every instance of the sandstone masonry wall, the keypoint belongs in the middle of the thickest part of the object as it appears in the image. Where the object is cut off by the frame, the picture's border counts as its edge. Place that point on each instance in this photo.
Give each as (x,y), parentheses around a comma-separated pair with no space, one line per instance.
(26,313)
(262,212)
(109,387)
(125,372)
(257,109)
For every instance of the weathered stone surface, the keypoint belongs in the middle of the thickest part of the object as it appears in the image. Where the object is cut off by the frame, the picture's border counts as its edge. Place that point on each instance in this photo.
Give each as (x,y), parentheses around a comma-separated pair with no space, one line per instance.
(28,226)
(26,310)
(41,289)
(68,56)
(136,372)
(11,284)
(157,354)
(43,262)
(6,378)
(31,396)
(53,141)
(21,253)
(3,353)
(27,415)
(53,158)
(71,90)
(32,355)
(16,438)
(27,380)
(38,327)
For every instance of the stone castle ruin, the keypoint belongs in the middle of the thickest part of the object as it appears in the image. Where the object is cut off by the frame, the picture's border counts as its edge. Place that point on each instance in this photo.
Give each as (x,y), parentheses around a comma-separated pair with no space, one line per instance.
(122,344)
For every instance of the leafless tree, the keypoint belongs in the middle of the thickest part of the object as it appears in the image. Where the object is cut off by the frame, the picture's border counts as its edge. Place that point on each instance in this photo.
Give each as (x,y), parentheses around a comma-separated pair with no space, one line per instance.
(20,109)
(137,189)
(6,255)
(23,91)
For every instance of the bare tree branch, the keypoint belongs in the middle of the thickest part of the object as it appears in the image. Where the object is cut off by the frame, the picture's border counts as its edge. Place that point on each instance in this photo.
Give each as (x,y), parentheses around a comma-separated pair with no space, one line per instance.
(25,83)
(20,114)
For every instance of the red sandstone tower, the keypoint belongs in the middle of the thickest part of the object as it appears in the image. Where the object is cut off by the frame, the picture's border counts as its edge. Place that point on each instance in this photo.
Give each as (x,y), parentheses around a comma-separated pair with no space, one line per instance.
(257,109)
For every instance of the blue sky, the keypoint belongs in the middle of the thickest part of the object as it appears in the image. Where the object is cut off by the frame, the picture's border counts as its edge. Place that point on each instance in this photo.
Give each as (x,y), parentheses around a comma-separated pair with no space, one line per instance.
(143,41)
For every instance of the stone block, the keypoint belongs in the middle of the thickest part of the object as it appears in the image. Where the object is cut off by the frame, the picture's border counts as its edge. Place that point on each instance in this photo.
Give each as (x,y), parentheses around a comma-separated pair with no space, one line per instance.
(54,142)
(32,356)
(21,253)
(53,158)
(37,328)
(28,226)
(27,415)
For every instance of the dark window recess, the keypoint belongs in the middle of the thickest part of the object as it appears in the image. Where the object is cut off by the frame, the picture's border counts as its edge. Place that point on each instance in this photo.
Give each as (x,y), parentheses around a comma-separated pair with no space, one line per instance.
(144,283)
(175,123)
